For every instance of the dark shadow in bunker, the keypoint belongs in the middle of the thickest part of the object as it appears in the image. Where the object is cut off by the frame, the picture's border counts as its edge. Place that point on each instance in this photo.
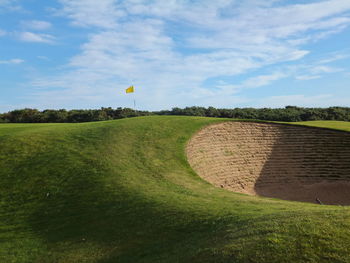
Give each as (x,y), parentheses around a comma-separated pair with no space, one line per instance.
(307,164)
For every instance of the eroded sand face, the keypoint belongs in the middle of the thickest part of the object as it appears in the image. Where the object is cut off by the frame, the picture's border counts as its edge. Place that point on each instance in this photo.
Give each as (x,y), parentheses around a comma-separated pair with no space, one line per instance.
(274,160)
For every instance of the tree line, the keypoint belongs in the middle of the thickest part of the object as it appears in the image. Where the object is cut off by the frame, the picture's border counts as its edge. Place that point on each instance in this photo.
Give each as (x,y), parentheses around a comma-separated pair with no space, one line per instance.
(62,115)
(289,114)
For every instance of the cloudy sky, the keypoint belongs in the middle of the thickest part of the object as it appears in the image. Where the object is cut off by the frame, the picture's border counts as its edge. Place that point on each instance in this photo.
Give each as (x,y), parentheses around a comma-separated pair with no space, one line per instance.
(223,53)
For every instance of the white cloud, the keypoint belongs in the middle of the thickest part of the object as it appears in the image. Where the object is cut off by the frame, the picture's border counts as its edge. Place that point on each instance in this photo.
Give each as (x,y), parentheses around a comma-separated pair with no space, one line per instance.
(103,13)
(36,24)
(2,33)
(9,5)
(307,77)
(263,80)
(171,48)
(12,61)
(268,27)
(43,58)
(6,2)
(324,69)
(334,57)
(317,69)
(35,37)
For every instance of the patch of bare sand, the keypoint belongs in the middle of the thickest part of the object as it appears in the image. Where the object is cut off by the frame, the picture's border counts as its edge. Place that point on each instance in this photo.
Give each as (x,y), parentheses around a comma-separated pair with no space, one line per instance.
(274,160)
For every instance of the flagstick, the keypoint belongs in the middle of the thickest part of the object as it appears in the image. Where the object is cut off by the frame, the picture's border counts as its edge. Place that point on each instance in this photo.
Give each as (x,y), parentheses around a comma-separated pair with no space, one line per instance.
(132,83)
(135,106)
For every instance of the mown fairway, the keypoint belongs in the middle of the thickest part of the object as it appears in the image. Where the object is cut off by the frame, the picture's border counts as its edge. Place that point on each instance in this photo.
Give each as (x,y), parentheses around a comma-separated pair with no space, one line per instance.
(122,191)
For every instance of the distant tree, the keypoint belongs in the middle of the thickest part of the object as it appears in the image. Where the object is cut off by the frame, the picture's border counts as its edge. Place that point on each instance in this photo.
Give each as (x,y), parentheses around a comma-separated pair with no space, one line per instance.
(338,113)
(25,116)
(194,111)
(177,111)
(109,113)
(212,112)
(3,118)
(55,115)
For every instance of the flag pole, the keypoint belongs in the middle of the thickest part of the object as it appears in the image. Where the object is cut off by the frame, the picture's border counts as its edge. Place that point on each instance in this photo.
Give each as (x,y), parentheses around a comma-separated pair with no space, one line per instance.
(135,106)
(132,83)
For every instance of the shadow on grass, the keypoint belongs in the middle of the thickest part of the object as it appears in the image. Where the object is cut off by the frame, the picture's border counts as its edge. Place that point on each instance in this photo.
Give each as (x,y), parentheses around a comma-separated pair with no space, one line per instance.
(72,203)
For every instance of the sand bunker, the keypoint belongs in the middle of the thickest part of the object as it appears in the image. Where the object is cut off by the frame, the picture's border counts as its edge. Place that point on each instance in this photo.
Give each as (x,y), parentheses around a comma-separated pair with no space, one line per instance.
(274,160)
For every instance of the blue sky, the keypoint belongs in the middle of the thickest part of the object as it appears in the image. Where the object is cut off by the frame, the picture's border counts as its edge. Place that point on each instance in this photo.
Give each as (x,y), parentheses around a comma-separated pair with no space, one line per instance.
(225,53)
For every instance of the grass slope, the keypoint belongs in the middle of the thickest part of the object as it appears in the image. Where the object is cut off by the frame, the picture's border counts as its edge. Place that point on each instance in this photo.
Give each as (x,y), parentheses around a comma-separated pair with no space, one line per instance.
(122,191)
(337,125)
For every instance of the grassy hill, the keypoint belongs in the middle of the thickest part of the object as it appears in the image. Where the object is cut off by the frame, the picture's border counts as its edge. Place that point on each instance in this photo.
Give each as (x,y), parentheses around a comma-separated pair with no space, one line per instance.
(122,191)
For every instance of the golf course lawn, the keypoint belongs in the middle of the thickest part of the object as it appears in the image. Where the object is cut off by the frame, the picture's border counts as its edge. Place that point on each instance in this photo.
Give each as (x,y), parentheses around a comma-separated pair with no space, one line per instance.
(123,191)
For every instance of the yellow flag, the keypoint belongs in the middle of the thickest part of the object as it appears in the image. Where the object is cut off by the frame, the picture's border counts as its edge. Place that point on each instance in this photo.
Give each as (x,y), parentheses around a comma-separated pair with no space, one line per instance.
(130,89)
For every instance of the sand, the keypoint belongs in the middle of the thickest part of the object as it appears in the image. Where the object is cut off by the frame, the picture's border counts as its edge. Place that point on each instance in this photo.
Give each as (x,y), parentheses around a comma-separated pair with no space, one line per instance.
(274,160)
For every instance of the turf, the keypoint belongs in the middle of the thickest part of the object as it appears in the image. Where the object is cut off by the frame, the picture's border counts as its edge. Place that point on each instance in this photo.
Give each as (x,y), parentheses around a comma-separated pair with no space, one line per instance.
(122,191)
(337,125)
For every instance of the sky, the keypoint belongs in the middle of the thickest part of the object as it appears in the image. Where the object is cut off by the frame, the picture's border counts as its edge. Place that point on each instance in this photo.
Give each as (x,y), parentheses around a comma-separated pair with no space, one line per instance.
(83,54)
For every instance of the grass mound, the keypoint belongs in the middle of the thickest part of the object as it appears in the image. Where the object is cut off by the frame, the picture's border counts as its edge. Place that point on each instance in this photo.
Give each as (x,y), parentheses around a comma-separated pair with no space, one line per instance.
(123,191)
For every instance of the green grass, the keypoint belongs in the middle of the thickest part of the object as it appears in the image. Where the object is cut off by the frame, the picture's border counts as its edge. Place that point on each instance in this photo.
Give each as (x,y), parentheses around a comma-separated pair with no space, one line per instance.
(337,125)
(122,191)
